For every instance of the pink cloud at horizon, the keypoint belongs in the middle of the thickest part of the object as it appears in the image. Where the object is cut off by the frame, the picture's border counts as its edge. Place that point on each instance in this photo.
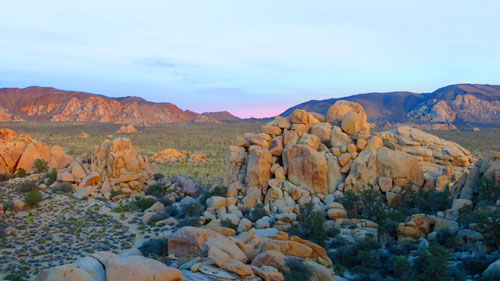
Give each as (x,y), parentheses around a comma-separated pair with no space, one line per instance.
(258,111)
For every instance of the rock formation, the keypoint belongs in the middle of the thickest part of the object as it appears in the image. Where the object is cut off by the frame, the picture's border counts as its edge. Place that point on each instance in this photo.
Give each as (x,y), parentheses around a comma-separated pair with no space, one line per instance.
(20,151)
(130,129)
(303,157)
(172,155)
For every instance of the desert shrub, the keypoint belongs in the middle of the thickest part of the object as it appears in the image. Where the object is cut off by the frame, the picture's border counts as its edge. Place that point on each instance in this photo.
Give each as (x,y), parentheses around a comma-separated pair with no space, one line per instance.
(189,221)
(27,186)
(332,232)
(16,276)
(171,211)
(310,225)
(157,217)
(298,270)
(401,267)
(40,166)
(33,198)
(157,190)
(413,202)
(193,210)
(4,177)
(256,213)
(21,173)
(216,191)
(155,248)
(431,263)
(228,224)
(158,177)
(166,201)
(487,222)
(477,264)
(488,191)
(351,203)
(403,248)
(64,187)
(116,193)
(142,203)
(446,238)
(387,143)
(52,176)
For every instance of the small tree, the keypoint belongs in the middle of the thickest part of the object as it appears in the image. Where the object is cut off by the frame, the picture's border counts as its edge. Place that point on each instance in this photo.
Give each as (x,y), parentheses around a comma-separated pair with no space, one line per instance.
(431,264)
(20,173)
(33,198)
(40,166)
(310,225)
(488,190)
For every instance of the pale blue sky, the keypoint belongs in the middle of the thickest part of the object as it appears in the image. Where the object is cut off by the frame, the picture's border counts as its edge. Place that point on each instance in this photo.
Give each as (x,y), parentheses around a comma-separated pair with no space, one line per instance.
(253,58)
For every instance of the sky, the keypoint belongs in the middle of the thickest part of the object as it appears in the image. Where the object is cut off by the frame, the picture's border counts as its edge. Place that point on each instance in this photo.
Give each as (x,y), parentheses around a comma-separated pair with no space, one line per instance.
(254,58)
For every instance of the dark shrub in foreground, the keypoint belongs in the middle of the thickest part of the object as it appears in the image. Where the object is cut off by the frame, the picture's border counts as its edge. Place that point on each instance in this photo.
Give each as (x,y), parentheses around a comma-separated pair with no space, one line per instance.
(310,225)
(155,248)
(33,198)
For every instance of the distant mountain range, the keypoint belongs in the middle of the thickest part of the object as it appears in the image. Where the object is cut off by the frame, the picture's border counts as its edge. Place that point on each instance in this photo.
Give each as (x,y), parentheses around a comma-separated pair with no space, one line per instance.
(461,104)
(49,104)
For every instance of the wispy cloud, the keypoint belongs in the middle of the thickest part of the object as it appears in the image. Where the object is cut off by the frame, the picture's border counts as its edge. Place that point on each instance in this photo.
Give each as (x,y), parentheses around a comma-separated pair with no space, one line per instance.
(156,62)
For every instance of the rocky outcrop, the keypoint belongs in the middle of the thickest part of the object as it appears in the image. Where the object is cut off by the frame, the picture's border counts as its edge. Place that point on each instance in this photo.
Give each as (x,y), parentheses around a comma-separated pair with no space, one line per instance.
(245,255)
(5,116)
(20,151)
(172,155)
(49,104)
(130,129)
(300,159)
(104,266)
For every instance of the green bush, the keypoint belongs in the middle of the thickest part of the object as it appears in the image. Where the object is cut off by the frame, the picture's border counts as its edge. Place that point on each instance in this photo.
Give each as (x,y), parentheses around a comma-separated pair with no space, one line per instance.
(228,224)
(158,177)
(401,267)
(64,187)
(488,190)
(310,225)
(40,166)
(4,177)
(20,173)
(193,210)
(431,264)
(157,190)
(142,203)
(421,201)
(33,198)
(52,176)
(446,238)
(17,276)
(27,186)
(256,213)
(487,222)
(387,143)
(298,270)
(155,248)
(189,221)
(351,203)
(477,264)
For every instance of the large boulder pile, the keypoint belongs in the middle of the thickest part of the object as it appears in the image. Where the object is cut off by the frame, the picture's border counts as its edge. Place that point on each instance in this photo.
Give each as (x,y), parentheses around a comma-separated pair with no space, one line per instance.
(488,168)
(129,129)
(443,162)
(172,155)
(254,253)
(20,151)
(306,156)
(116,166)
(103,266)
